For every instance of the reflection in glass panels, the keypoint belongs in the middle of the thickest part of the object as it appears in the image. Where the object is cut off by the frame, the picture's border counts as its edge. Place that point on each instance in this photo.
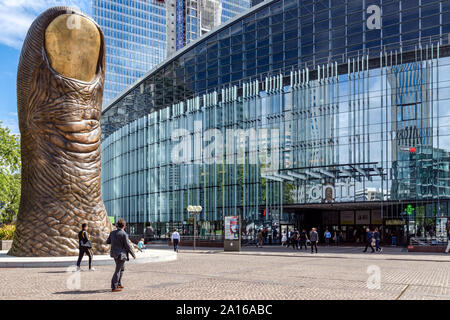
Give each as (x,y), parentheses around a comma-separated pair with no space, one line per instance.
(365,130)
(323,109)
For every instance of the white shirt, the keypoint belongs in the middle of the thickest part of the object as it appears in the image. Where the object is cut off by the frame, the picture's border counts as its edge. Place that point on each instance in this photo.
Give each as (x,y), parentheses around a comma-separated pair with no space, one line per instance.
(175,235)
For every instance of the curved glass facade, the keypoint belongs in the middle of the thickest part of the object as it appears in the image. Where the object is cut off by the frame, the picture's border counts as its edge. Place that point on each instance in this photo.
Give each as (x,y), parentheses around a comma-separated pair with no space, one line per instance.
(307,113)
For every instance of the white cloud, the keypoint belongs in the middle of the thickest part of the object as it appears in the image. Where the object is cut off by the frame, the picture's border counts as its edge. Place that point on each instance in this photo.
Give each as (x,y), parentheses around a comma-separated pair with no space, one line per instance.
(16,17)
(12,124)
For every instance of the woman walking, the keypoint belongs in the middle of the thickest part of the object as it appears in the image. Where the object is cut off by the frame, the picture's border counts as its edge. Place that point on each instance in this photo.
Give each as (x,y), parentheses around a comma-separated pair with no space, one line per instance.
(85,247)
(284,239)
(327,236)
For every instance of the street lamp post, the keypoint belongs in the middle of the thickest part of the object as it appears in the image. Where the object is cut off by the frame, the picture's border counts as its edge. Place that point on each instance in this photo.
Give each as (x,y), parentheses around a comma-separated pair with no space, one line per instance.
(195,210)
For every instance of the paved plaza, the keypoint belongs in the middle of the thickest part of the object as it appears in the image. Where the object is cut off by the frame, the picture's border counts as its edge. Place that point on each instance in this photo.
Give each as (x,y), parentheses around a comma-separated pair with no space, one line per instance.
(255,273)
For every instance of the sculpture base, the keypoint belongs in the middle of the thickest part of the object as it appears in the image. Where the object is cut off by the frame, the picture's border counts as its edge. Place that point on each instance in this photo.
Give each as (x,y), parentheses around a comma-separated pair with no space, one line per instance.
(5,245)
(148,256)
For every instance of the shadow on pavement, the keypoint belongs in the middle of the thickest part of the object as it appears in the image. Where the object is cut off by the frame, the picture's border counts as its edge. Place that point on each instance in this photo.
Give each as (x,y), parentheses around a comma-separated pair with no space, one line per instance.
(84,291)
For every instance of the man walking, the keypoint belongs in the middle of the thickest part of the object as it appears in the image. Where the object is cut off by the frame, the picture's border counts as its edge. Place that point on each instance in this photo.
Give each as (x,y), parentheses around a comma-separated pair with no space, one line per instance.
(294,239)
(85,247)
(369,236)
(377,237)
(303,239)
(337,237)
(314,238)
(448,239)
(260,238)
(265,234)
(120,250)
(175,239)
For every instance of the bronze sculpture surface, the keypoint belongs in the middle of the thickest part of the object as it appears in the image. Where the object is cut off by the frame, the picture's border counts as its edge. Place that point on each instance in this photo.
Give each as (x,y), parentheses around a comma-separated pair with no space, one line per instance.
(59,96)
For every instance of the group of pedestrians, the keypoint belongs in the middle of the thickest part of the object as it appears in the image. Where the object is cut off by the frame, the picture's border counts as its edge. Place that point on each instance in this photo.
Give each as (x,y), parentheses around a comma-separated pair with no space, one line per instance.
(373,239)
(298,240)
(121,246)
(263,237)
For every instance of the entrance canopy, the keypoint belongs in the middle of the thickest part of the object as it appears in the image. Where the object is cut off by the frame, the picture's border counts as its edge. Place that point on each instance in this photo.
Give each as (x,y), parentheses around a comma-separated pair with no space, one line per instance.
(356,171)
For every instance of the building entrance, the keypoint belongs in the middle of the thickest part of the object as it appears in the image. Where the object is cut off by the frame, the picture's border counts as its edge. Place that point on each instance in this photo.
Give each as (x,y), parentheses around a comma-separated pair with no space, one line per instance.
(349,226)
(308,219)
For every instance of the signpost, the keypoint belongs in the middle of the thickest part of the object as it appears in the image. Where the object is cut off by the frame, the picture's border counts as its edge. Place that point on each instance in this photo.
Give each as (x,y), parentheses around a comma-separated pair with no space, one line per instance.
(194,210)
(232,241)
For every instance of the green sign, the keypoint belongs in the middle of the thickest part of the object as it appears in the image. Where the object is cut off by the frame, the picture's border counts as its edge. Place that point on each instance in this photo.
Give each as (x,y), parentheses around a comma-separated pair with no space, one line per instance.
(112,219)
(409,210)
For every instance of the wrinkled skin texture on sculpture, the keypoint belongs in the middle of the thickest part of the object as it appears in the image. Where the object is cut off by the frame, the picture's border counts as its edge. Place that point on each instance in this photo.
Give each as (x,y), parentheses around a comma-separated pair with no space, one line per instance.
(59,119)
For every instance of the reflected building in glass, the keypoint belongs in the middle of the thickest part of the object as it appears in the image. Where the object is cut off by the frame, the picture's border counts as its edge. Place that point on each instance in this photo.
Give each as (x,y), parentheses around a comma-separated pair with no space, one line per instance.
(135,39)
(139,34)
(328,114)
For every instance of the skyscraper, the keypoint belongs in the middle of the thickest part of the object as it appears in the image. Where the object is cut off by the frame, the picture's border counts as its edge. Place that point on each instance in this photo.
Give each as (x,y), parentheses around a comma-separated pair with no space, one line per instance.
(141,33)
(255,2)
(135,37)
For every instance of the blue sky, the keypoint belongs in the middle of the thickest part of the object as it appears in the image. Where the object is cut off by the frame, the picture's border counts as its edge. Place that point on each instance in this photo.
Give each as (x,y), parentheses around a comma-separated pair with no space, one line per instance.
(16,17)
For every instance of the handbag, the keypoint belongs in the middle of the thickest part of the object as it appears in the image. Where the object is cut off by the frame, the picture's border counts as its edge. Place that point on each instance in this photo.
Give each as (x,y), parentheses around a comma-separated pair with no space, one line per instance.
(87,244)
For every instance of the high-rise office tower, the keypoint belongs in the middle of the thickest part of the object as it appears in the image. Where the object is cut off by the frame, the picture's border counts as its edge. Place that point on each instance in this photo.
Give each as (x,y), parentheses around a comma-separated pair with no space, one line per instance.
(189,19)
(135,37)
(255,2)
(139,34)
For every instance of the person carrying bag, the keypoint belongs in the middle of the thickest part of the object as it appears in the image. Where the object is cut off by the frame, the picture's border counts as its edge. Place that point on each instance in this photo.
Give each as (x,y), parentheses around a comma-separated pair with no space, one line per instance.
(85,247)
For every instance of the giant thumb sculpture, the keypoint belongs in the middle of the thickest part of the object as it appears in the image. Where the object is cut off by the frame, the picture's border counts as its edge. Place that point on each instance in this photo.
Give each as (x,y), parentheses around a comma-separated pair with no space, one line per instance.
(59,98)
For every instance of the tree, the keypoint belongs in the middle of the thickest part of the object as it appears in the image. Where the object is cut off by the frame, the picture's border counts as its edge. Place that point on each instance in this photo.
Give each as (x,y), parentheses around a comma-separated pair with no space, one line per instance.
(9,175)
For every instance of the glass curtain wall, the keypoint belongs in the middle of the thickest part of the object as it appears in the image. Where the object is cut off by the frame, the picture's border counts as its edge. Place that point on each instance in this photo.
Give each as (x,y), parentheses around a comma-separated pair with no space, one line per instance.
(366,130)
(135,38)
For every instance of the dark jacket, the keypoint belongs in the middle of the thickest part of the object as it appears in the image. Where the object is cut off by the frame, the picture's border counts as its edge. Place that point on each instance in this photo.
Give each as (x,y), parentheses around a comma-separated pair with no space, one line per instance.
(376,235)
(369,236)
(313,236)
(83,240)
(303,236)
(120,245)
